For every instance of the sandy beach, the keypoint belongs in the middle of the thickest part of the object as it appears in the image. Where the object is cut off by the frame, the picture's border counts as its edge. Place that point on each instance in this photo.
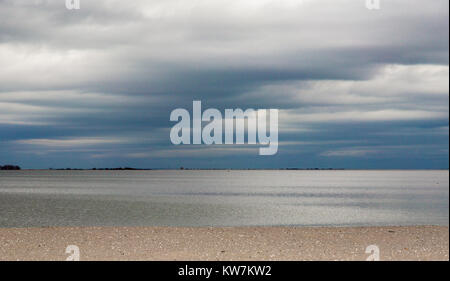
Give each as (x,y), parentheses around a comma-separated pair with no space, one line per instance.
(225,244)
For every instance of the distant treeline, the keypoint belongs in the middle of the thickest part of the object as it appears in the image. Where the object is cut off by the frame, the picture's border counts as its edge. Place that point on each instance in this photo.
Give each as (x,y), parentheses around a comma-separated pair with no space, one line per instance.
(194,169)
(101,169)
(264,169)
(9,167)
(12,167)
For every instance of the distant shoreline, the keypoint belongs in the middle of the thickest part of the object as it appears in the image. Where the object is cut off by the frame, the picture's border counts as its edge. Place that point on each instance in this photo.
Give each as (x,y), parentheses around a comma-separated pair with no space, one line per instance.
(10,167)
(223,169)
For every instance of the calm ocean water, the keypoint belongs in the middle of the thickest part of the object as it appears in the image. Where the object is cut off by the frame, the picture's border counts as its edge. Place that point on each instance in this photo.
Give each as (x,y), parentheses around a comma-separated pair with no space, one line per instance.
(223,198)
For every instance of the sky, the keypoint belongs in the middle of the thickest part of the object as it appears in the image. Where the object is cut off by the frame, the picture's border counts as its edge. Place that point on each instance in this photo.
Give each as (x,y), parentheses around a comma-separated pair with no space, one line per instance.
(355,88)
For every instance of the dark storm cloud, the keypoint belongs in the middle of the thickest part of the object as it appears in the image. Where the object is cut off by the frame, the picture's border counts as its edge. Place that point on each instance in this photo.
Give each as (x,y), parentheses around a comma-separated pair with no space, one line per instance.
(102,80)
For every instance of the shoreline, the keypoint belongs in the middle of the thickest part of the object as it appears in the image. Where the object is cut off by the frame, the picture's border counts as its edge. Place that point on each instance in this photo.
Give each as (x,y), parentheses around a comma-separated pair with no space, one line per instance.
(223,169)
(225,243)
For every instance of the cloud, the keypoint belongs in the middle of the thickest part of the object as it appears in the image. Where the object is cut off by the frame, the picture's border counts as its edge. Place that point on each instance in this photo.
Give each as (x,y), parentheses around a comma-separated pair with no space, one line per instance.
(394,84)
(349,152)
(367,116)
(70,142)
(114,70)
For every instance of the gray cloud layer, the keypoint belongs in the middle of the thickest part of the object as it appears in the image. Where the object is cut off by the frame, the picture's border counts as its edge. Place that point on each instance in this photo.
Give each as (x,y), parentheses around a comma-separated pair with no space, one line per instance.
(355,88)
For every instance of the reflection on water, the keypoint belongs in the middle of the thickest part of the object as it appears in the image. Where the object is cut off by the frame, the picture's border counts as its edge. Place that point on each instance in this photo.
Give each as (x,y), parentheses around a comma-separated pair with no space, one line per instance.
(223,198)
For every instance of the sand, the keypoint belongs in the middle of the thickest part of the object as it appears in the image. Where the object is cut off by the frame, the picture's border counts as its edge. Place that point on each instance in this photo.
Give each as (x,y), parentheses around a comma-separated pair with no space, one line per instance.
(225,244)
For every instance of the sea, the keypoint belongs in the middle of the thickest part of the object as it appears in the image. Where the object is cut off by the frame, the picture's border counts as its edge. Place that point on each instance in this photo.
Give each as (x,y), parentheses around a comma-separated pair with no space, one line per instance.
(33,198)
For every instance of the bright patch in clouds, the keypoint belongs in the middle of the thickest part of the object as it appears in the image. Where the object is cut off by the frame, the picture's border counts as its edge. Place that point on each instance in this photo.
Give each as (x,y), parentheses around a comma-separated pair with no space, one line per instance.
(70,142)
